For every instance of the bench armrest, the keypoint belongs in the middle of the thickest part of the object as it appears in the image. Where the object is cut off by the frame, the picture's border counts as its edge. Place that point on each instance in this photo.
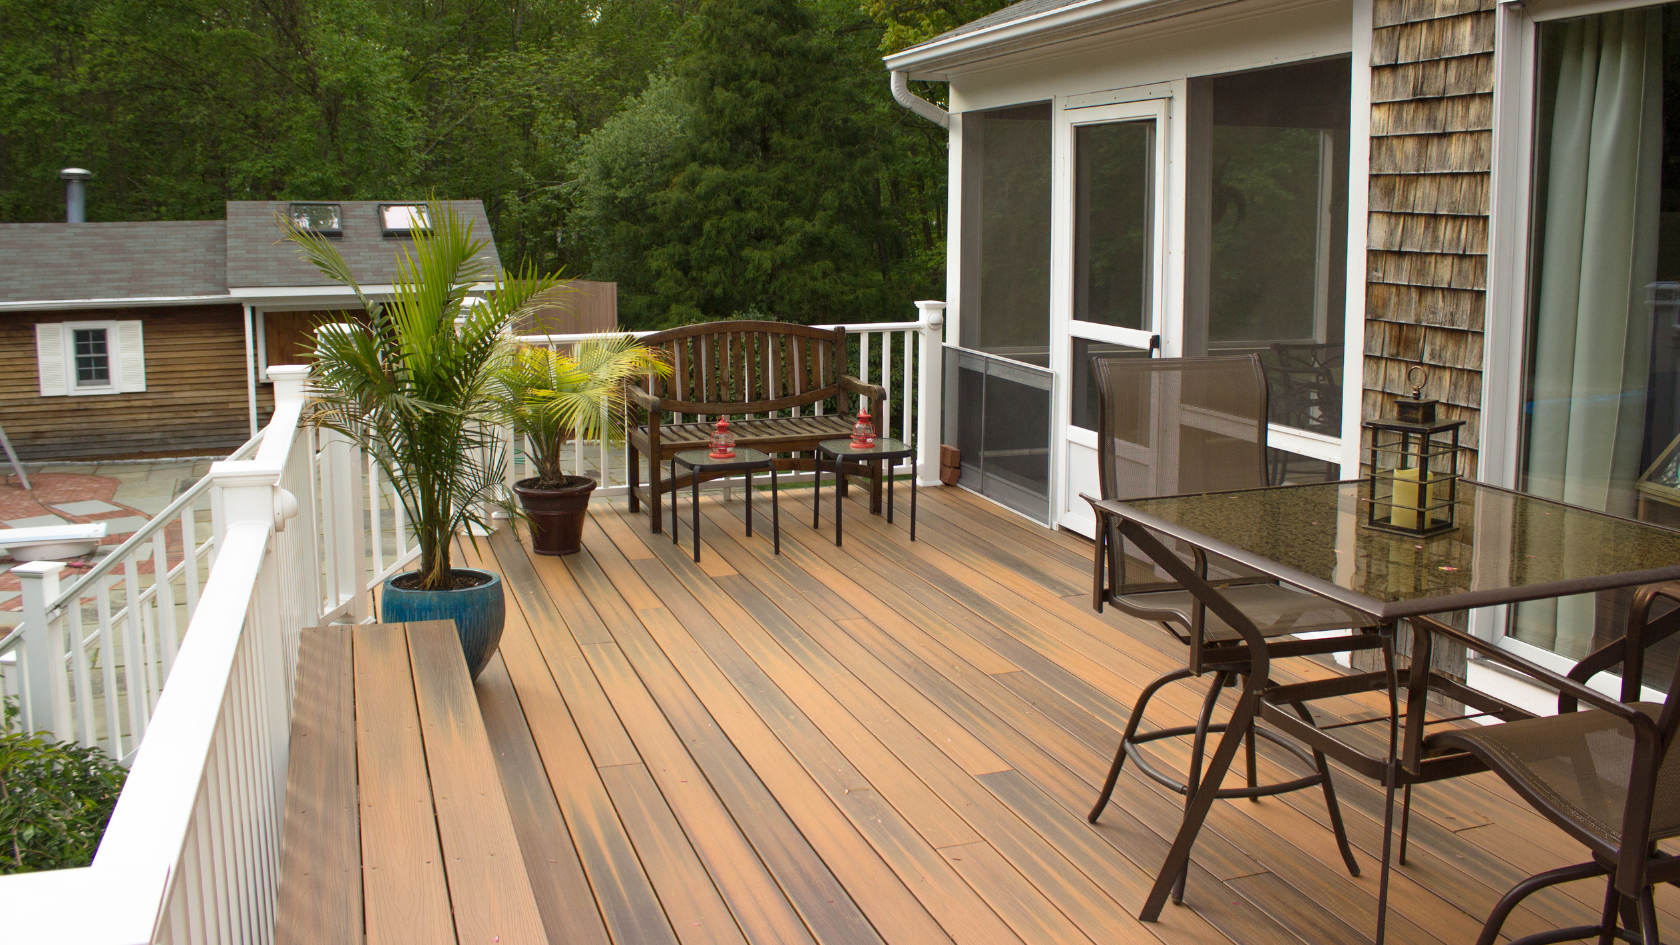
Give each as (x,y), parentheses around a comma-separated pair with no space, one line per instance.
(874,392)
(643,399)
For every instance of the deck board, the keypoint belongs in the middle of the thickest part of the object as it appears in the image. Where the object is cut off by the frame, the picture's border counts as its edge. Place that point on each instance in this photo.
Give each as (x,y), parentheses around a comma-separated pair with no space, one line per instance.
(896,742)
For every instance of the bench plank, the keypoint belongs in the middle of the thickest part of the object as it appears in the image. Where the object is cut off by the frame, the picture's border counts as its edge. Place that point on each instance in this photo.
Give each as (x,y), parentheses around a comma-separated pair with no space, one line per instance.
(487,881)
(407,896)
(320,896)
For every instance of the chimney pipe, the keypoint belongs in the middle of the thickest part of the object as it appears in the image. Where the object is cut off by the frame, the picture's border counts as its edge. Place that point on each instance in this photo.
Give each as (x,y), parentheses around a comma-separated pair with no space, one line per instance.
(75,193)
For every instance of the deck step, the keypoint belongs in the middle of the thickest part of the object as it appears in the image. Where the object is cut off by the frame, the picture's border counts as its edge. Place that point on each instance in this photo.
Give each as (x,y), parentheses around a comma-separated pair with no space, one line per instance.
(397,827)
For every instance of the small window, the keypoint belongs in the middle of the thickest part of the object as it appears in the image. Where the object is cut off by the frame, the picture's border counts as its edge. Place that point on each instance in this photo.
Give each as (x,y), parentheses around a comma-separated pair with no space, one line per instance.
(403,219)
(80,358)
(322,218)
(93,357)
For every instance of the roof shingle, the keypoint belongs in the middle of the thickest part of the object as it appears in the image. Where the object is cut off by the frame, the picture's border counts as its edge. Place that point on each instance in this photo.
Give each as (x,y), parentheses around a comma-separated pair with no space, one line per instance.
(150,259)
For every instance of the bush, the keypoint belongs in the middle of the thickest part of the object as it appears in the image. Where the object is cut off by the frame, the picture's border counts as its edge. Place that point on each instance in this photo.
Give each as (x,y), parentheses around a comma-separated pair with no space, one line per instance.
(55,800)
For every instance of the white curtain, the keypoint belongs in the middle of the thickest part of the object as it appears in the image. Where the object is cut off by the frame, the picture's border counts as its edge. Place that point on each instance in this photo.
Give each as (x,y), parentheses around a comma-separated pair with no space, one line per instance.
(1592,328)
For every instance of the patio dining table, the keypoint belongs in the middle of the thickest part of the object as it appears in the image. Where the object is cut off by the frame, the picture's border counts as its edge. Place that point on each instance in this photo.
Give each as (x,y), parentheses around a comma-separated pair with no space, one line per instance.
(1507,547)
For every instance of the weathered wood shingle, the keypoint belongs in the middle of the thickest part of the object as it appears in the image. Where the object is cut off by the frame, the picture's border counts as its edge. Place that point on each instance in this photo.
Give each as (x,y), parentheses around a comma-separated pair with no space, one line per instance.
(1431,153)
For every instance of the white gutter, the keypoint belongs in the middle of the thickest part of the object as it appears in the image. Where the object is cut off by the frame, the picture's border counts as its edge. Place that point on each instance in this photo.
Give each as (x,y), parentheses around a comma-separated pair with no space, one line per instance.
(55,305)
(921,106)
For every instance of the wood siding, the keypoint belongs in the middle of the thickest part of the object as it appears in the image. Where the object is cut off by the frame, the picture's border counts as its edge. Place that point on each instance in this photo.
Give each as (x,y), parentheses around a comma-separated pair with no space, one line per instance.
(194,403)
(1431,154)
(590,306)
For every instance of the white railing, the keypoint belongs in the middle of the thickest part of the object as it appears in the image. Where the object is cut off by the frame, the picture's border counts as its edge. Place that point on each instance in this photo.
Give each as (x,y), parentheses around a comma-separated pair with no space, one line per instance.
(185,670)
(300,528)
(904,357)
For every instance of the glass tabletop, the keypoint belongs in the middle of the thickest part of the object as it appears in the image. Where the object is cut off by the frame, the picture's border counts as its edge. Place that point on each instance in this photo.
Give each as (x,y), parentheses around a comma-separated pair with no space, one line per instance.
(1508,546)
(743,456)
(883,444)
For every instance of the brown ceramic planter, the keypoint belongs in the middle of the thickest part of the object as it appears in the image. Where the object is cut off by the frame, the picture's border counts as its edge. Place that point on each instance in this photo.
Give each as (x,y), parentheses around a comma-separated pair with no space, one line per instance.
(556,514)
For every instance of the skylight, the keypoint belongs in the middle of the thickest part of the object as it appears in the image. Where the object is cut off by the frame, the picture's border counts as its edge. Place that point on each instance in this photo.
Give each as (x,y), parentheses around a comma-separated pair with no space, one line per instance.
(402,219)
(322,218)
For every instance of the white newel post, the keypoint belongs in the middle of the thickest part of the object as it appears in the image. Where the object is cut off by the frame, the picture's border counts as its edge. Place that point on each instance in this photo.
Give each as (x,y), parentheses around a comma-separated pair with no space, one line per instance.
(48,709)
(930,393)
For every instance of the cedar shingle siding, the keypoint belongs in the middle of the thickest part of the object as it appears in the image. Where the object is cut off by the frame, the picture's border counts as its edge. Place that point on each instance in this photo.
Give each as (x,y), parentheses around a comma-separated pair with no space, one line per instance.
(1431,146)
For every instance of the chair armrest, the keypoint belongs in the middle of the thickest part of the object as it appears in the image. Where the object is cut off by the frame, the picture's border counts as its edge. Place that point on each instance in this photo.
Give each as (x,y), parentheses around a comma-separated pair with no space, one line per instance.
(1564,685)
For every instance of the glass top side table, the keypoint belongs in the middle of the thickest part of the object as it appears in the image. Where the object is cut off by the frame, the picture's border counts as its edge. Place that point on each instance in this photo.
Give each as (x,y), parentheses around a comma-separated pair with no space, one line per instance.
(745,461)
(885,449)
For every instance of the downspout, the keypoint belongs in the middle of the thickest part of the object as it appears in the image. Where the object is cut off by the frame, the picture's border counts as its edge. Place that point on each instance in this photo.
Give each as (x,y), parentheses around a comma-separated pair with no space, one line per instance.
(250,367)
(921,106)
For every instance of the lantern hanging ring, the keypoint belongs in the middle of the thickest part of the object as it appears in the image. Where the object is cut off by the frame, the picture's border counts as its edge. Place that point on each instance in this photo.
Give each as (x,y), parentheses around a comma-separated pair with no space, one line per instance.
(1421,378)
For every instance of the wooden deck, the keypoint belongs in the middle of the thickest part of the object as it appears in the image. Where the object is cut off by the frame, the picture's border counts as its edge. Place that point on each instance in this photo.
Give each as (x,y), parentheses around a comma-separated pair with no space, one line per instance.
(897,742)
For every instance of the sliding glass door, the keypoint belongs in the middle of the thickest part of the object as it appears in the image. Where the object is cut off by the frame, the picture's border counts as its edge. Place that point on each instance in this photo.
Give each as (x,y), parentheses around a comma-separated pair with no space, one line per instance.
(1601,411)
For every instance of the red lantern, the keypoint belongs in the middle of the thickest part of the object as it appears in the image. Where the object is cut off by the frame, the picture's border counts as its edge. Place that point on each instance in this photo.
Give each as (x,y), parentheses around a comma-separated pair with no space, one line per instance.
(723,442)
(863,432)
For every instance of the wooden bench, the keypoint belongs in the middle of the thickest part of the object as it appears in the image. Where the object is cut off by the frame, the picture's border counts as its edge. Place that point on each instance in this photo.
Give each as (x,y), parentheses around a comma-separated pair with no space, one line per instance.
(739,369)
(397,829)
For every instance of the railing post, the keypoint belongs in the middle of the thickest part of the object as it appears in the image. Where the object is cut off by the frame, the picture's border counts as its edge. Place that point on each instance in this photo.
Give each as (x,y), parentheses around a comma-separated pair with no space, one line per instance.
(930,390)
(43,642)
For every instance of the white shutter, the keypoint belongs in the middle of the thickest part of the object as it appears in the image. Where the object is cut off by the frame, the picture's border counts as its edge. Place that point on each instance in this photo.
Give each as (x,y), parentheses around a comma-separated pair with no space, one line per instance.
(49,359)
(130,357)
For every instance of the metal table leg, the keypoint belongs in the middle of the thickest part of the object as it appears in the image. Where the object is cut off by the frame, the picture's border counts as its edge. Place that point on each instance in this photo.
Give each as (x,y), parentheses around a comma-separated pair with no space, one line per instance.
(748,472)
(839,475)
(696,491)
(885,466)
(912,498)
(673,481)
(816,490)
(775,511)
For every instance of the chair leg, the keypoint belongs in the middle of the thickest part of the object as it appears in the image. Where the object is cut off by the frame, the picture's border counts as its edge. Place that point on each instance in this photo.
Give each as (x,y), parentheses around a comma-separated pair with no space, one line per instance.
(1131,730)
(635,475)
(1405,824)
(1198,747)
(1330,803)
(1648,933)
(1248,751)
(1178,856)
(1528,887)
(1607,919)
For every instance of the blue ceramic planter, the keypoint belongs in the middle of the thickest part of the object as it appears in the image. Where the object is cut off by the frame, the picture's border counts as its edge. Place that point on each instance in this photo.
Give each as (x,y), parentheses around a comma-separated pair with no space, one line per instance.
(478,613)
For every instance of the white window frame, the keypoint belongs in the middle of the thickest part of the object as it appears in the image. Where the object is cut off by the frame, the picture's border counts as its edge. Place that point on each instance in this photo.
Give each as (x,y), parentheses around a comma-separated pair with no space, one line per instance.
(113,359)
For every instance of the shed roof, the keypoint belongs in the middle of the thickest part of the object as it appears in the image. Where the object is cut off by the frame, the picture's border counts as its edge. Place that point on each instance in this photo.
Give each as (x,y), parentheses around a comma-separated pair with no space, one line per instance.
(257,259)
(150,259)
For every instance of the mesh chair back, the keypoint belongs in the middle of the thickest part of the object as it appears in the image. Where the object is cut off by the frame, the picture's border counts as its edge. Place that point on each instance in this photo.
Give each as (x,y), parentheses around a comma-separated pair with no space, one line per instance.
(1180,426)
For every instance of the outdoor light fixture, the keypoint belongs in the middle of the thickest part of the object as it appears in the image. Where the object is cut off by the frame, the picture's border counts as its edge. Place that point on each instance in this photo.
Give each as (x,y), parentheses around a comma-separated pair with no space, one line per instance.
(1414,465)
(863,432)
(723,441)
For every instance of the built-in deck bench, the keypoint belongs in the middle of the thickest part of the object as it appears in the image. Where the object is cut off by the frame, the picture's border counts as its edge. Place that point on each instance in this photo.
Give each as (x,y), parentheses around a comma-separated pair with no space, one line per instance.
(397,828)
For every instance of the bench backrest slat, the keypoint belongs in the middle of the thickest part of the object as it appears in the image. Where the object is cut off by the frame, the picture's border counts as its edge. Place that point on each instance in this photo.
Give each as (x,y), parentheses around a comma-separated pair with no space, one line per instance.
(748,367)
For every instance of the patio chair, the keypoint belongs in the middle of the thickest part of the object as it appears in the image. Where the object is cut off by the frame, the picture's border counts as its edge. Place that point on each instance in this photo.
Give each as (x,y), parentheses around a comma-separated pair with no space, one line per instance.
(1184,426)
(1605,776)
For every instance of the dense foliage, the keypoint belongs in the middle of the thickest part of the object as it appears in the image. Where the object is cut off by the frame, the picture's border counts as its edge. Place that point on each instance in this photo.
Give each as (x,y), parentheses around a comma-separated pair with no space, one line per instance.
(55,799)
(713,156)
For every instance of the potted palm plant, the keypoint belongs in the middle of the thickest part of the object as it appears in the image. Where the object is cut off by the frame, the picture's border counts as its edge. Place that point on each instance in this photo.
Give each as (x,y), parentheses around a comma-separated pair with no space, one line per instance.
(550,398)
(411,386)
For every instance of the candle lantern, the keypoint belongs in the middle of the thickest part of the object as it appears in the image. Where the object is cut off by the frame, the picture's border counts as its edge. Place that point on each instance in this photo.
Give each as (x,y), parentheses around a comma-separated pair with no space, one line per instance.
(1414,465)
(863,432)
(723,441)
